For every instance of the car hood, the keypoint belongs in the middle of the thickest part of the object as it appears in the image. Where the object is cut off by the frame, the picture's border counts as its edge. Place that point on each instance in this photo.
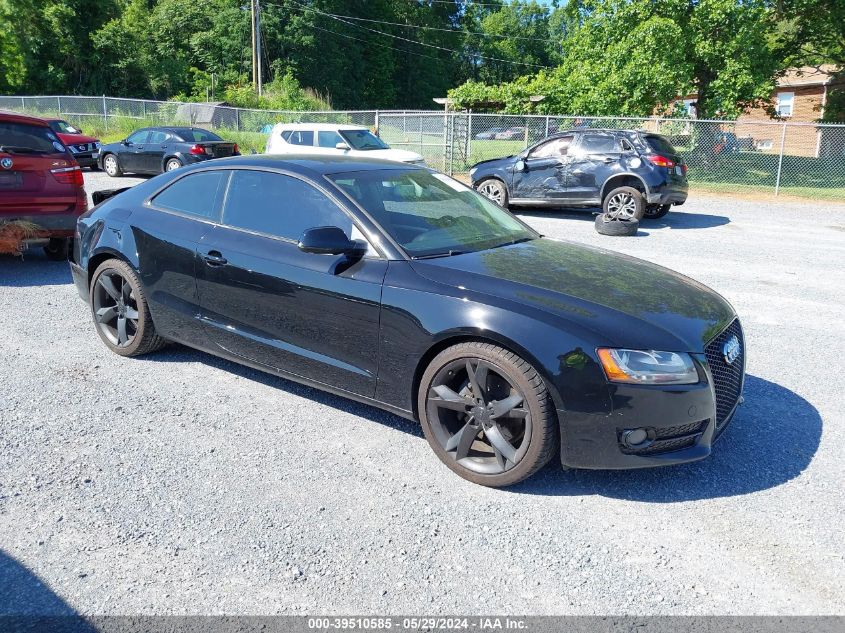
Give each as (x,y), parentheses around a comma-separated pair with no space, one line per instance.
(75,139)
(401,155)
(624,301)
(493,162)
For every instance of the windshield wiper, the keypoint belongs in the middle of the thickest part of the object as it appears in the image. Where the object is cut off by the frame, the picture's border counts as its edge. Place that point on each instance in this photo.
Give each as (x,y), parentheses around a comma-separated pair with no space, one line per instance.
(443,254)
(16,149)
(518,240)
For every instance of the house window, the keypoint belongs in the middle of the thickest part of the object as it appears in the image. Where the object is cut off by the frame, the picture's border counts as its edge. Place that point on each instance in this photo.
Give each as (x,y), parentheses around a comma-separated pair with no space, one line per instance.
(689,106)
(785,101)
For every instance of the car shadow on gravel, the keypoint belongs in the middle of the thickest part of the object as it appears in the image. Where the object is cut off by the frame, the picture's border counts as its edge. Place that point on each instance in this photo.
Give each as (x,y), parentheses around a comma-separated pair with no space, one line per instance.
(28,604)
(674,220)
(33,269)
(180,353)
(771,440)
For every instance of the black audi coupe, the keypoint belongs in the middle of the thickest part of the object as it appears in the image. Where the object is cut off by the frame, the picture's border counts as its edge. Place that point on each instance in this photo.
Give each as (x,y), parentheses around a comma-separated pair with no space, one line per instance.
(397,286)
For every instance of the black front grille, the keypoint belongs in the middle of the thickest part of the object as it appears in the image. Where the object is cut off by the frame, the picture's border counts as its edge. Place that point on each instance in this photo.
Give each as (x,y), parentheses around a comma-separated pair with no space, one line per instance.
(727,377)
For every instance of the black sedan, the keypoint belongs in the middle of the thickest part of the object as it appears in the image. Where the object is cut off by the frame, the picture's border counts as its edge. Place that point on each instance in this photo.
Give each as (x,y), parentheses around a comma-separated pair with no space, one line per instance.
(397,286)
(153,150)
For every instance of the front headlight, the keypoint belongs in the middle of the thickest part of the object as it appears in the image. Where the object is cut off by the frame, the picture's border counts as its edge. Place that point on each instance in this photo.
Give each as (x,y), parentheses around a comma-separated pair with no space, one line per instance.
(648,367)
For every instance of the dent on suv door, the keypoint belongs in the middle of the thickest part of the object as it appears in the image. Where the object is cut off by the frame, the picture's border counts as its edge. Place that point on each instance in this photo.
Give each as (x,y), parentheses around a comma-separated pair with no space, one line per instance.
(544,173)
(594,159)
(265,301)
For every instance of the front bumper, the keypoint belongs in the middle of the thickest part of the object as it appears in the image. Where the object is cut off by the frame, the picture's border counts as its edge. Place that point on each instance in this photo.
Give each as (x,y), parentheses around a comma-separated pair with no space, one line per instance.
(680,422)
(87,159)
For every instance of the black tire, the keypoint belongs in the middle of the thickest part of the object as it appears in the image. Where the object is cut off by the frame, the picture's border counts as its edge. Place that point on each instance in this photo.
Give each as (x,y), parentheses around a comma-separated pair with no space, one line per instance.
(495,190)
(172,164)
(531,422)
(624,203)
(657,211)
(57,249)
(128,296)
(112,166)
(616,228)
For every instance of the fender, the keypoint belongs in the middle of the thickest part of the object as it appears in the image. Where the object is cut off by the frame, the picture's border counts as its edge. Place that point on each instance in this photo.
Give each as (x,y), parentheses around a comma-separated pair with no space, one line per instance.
(624,174)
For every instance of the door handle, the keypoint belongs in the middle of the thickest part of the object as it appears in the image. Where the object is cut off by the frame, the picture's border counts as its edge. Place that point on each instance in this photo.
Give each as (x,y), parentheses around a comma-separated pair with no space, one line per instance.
(215,258)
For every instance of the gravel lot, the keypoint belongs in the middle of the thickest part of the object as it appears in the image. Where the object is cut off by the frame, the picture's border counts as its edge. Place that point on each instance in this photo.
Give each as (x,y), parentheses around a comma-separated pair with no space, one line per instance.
(180,483)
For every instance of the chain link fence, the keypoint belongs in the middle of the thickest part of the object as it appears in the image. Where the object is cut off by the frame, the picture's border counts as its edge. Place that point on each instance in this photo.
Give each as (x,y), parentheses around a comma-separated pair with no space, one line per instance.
(753,156)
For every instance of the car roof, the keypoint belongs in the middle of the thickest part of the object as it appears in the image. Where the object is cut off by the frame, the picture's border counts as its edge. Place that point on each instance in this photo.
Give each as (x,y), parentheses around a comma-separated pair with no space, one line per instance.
(282,127)
(307,164)
(17,117)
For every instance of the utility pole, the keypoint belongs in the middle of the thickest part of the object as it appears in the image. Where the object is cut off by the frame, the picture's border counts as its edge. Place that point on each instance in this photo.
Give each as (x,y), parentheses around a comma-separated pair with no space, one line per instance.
(258,44)
(254,56)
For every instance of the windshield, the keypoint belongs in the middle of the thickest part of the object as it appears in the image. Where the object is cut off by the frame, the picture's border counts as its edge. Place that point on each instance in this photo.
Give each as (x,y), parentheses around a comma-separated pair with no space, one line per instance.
(64,127)
(363,140)
(23,138)
(429,214)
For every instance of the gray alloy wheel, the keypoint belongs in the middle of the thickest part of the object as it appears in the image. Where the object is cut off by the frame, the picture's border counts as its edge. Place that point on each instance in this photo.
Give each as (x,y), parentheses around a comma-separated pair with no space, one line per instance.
(111,165)
(172,163)
(120,311)
(487,414)
(655,212)
(624,203)
(494,190)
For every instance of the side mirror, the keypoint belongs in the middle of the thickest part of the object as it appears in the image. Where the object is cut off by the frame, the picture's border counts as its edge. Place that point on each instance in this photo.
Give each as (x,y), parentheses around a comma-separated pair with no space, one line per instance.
(520,166)
(342,146)
(330,240)
(126,142)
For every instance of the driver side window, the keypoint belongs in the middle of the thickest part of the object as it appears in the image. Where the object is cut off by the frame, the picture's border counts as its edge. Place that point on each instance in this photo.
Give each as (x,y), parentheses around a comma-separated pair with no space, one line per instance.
(138,137)
(555,147)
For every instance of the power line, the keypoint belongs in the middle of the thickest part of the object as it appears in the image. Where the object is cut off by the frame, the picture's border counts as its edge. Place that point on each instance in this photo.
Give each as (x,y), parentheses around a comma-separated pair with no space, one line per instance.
(370,43)
(405,39)
(435,28)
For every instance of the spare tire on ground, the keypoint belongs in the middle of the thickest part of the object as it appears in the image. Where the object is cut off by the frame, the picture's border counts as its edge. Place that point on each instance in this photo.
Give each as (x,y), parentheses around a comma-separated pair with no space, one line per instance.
(618,228)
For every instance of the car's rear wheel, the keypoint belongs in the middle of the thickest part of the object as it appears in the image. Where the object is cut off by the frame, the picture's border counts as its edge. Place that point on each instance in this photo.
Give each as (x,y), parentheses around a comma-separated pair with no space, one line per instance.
(487,414)
(112,166)
(172,163)
(494,190)
(624,203)
(657,211)
(120,311)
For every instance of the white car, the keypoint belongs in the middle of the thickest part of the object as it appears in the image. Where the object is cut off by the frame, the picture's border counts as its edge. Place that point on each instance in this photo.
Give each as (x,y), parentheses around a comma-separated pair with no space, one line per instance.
(328,139)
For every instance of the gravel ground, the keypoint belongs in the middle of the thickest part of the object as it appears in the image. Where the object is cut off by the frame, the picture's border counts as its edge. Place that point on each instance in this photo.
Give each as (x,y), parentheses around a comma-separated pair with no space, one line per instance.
(180,483)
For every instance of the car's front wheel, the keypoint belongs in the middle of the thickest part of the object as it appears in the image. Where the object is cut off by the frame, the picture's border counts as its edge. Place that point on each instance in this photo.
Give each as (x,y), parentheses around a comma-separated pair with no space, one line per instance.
(494,190)
(112,166)
(487,414)
(120,311)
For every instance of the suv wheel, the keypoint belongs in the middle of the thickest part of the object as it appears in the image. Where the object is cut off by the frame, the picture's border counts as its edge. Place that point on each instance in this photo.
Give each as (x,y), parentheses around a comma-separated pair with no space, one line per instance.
(624,203)
(57,248)
(495,190)
(655,212)
(487,414)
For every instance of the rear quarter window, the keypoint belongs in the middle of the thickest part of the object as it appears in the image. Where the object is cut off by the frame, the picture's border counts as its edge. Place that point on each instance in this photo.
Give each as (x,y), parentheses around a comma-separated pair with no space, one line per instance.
(197,194)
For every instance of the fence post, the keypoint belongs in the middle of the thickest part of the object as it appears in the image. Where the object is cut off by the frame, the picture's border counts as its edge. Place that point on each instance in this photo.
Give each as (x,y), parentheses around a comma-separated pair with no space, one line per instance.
(23,104)
(238,119)
(780,158)
(144,103)
(469,139)
(59,101)
(547,127)
(105,114)
(376,124)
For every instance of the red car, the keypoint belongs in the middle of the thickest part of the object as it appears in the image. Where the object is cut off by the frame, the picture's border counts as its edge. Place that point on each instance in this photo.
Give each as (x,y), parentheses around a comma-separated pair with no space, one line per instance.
(40,183)
(84,148)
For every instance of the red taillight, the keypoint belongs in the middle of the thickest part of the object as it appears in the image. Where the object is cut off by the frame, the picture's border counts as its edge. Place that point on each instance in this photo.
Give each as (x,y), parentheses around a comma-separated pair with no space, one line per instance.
(236,150)
(661,161)
(684,167)
(69,176)
(197,150)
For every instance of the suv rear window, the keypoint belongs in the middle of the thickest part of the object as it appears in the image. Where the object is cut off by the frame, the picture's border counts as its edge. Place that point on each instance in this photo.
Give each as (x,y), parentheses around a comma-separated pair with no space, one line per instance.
(659,144)
(23,138)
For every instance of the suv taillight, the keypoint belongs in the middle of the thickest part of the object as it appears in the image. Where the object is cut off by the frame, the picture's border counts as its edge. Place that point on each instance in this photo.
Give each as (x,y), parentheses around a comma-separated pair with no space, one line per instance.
(69,176)
(661,161)
(235,149)
(197,150)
